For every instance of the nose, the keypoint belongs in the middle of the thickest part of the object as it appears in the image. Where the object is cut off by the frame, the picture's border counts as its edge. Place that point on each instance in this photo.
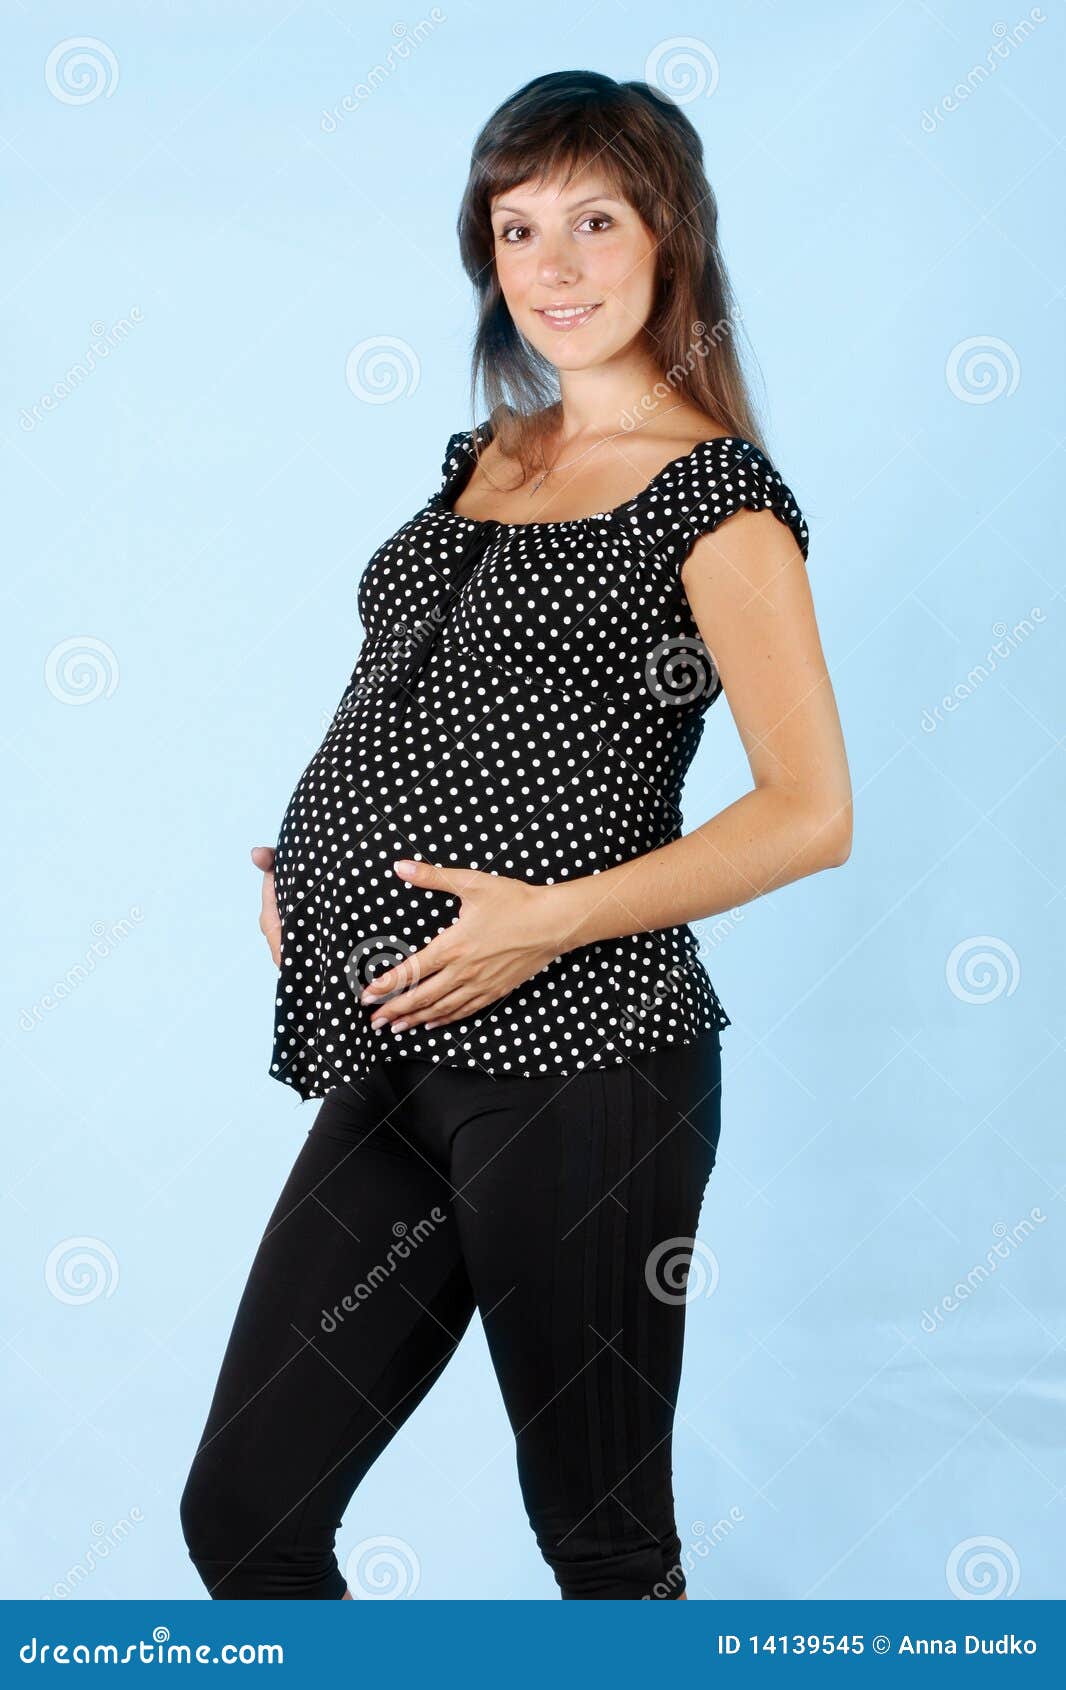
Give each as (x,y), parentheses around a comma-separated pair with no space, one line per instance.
(556,262)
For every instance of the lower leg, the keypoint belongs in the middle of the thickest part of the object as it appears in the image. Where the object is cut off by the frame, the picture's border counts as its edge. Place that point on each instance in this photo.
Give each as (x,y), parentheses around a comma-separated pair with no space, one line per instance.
(333,1345)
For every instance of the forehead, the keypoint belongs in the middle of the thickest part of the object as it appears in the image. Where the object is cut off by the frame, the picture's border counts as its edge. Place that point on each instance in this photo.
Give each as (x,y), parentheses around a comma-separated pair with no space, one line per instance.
(589,185)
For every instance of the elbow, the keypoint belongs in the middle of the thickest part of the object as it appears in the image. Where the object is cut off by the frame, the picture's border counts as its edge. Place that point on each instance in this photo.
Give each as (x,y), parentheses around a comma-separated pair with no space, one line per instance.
(836,837)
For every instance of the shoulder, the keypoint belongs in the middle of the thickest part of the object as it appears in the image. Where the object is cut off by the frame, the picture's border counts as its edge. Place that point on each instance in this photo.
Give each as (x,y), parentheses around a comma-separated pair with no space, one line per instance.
(466,445)
(460,446)
(729,476)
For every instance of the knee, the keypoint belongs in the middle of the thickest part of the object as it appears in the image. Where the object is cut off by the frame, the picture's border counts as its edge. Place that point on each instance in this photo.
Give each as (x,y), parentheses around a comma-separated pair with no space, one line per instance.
(243,1546)
(630,1565)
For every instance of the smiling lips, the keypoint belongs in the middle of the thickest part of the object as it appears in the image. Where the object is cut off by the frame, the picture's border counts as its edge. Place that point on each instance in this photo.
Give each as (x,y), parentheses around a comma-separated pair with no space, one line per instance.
(566,317)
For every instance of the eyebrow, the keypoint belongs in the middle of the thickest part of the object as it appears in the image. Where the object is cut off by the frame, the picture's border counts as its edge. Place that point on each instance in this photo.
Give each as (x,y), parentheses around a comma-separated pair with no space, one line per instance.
(589,199)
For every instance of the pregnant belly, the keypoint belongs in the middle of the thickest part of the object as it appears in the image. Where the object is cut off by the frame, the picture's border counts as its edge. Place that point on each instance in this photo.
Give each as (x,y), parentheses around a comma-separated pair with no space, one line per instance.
(519,788)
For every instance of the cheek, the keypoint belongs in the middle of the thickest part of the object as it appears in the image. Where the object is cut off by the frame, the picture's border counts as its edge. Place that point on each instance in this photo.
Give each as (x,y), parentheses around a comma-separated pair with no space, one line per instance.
(625,271)
(515,269)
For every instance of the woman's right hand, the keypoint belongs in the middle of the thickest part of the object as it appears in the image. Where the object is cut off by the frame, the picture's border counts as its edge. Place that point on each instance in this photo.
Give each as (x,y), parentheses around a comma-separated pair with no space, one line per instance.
(269,920)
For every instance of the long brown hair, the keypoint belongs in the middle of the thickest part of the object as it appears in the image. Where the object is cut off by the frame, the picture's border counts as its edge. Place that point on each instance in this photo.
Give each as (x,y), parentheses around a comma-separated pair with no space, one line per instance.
(652,157)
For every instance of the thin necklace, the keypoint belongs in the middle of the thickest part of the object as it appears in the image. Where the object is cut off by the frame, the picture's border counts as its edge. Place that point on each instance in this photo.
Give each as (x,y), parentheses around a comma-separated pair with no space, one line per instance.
(551,468)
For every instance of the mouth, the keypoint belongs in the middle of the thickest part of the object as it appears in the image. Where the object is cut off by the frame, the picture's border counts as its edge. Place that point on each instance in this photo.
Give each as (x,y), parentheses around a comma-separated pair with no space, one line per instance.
(566,317)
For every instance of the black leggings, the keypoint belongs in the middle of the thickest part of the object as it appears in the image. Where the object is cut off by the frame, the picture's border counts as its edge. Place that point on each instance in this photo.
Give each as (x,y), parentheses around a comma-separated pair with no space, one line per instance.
(564,1210)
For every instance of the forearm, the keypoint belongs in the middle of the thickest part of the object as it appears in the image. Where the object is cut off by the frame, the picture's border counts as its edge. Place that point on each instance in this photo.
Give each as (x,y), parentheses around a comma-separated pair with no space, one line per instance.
(764,840)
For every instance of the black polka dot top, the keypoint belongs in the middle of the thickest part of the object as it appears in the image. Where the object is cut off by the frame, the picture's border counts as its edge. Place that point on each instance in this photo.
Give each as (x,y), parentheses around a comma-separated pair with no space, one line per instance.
(526,701)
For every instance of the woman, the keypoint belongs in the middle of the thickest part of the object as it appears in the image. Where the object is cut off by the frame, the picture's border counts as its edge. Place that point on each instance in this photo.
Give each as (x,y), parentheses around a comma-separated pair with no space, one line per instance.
(480,893)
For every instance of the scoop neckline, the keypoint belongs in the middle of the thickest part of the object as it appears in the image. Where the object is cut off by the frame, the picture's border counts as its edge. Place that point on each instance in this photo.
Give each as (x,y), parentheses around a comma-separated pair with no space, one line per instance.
(485,431)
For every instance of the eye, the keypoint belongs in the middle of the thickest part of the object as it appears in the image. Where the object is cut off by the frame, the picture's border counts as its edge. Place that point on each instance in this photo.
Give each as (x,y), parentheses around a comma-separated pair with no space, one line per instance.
(521,229)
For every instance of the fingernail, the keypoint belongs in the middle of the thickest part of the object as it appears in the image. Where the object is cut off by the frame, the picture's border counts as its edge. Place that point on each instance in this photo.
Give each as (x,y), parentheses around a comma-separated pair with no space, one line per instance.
(405,867)
(398,1026)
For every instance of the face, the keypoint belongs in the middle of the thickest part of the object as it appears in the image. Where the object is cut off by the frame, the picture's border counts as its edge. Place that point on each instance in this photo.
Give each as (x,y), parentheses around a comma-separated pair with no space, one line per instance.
(577,268)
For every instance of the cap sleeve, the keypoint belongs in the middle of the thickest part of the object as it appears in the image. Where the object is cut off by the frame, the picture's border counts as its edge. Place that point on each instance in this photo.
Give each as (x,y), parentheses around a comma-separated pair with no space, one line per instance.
(717,479)
(457,455)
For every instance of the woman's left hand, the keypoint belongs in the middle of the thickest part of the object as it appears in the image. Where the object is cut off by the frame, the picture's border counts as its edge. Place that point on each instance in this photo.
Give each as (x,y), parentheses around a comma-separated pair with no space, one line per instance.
(503,935)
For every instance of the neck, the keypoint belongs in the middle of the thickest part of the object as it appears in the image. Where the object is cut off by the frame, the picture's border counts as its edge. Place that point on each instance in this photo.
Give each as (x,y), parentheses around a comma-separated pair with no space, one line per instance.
(605,400)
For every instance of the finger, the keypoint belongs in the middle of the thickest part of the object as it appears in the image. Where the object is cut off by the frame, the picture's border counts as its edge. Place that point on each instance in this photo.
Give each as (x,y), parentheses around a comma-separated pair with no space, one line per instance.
(452,878)
(407,972)
(418,1001)
(457,1007)
(263,856)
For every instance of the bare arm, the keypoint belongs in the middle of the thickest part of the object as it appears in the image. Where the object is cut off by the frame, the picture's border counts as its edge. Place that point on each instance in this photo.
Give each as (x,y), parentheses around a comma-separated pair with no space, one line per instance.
(748,588)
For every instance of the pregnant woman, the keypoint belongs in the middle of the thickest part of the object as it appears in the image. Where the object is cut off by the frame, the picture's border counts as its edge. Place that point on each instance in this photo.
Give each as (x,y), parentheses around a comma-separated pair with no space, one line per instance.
(480,893)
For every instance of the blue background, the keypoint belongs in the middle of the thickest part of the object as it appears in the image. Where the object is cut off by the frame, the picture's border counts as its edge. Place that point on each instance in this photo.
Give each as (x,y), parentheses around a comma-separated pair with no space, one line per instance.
(199,509)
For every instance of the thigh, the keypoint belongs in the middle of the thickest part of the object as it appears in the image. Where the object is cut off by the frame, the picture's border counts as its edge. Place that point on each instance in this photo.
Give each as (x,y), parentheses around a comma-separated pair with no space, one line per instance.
(585,1195)
(355,1300)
